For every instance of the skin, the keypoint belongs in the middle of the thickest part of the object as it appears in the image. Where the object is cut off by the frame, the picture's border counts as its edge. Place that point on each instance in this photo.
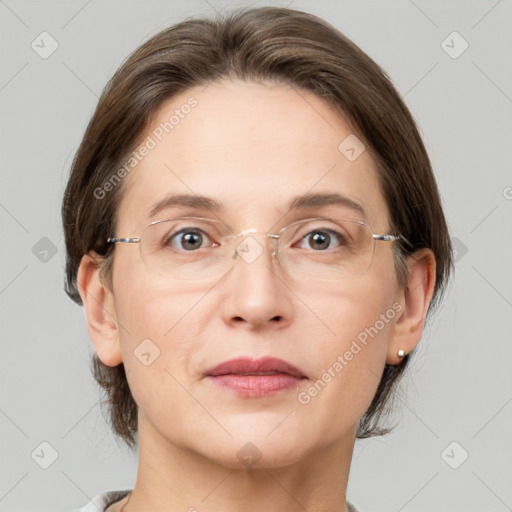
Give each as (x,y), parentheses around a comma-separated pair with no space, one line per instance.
(252,147)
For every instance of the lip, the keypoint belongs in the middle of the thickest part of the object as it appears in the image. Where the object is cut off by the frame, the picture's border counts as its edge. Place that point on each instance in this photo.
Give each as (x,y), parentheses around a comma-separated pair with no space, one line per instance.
(255,377)
(245,365)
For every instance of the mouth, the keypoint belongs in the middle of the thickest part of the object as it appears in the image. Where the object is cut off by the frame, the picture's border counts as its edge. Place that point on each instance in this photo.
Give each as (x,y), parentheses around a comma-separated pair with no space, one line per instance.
(255,377)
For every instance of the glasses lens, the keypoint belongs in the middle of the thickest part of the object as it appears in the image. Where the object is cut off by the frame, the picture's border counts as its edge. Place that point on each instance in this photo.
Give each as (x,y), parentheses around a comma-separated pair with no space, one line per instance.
(327,248)
(184,248)
(190,248)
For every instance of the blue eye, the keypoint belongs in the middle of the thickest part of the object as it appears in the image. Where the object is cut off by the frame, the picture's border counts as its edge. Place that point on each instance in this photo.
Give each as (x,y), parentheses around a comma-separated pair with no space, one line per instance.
(189,240)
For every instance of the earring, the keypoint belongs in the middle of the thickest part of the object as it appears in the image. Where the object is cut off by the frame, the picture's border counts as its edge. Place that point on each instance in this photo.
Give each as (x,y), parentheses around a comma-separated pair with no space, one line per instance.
(401,353)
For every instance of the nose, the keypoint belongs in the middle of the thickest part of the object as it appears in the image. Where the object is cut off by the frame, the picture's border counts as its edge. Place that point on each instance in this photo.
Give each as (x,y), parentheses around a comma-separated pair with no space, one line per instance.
(256,294)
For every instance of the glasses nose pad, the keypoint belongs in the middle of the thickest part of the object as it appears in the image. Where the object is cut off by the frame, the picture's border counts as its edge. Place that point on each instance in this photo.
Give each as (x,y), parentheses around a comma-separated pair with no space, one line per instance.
(249,248)
(274,243)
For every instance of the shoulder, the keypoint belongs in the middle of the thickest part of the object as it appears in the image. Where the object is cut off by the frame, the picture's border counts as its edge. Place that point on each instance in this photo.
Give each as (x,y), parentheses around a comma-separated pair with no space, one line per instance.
(101,501)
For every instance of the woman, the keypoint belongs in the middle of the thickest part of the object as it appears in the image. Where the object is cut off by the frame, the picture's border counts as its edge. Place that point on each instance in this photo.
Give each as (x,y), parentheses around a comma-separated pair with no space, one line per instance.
(254,229)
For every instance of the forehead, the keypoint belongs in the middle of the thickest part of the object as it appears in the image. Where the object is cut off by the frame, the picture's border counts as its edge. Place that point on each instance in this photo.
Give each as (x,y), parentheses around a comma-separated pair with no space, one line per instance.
(253,149)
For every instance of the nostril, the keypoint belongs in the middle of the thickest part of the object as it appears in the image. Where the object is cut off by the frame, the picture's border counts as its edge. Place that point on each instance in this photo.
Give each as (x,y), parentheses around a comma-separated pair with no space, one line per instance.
(277,318)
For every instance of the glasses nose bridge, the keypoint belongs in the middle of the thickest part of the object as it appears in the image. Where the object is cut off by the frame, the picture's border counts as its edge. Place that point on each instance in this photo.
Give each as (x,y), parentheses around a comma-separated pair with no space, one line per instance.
(246,246)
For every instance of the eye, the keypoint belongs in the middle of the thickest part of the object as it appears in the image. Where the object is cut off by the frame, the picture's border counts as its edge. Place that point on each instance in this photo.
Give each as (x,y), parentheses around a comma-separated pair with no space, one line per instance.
(189,239)
(322,239)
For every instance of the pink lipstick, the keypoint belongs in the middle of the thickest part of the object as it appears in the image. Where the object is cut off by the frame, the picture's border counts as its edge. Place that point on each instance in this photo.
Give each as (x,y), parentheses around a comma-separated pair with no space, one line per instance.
(255,377)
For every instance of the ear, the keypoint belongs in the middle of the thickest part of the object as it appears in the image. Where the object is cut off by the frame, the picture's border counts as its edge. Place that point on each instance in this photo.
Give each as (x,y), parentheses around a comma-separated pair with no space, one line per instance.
(100,311)
(415,298)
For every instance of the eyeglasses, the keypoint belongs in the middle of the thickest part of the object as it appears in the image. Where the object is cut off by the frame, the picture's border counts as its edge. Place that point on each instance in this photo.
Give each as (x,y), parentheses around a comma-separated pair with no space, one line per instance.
(192,248)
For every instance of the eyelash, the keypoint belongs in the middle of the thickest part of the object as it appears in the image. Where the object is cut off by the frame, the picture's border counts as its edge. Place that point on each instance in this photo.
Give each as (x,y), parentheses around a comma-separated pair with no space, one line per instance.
(330,232)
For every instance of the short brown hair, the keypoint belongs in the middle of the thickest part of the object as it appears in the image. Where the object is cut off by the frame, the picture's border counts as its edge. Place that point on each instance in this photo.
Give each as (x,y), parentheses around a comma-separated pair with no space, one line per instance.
(262,44)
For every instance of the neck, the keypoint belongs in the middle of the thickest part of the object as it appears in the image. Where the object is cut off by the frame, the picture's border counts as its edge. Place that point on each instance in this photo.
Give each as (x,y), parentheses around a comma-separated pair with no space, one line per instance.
(172,478)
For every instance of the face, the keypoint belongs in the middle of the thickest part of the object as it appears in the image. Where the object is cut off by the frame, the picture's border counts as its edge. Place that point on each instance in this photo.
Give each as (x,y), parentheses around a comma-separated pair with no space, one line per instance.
(253,148)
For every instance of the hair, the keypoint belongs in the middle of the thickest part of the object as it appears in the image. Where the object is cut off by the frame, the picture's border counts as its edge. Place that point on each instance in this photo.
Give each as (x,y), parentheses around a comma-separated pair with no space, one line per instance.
(267,44)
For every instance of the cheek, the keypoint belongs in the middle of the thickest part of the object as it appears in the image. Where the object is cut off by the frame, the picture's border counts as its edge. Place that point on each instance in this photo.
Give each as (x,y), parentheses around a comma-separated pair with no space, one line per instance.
(159,323)
(360,310)
(148,305)
(157,350)
(170,318)
(351,358)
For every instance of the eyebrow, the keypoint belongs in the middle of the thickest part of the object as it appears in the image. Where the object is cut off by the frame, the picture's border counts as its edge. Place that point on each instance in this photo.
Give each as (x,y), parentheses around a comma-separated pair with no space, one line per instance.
(311,201)
(192,201)
(304,202)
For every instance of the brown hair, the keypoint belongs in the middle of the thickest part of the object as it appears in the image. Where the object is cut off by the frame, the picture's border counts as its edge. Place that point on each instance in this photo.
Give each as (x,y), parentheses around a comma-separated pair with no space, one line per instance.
(262,44)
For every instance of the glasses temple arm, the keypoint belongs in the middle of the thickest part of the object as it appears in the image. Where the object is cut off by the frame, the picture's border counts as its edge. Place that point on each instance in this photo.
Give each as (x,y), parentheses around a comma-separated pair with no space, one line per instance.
(124,240)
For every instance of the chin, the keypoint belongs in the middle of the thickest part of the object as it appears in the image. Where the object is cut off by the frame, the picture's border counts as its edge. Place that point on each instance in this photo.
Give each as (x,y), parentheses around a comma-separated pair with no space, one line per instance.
(258,451)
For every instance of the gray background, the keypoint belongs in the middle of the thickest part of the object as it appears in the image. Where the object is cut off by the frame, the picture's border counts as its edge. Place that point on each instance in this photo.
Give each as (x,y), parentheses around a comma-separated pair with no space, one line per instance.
(460,385)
